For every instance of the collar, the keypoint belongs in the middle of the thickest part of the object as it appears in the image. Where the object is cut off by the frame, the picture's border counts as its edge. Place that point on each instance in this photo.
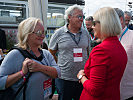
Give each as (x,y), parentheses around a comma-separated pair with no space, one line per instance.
(67,31)
(111,38)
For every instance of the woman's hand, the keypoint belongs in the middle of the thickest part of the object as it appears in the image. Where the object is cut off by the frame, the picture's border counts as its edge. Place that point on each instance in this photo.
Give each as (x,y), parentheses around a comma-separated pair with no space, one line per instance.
(81,72)
(34,66)
(27,62)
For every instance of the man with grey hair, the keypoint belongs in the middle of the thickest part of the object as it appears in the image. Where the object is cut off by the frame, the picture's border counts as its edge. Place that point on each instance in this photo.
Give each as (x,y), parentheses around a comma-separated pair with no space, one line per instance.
(128,17)
(72,44)
(126,39)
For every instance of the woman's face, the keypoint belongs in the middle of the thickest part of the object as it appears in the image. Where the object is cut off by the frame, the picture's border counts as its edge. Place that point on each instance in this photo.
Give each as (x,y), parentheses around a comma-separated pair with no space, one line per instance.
(97,29)
(36,38)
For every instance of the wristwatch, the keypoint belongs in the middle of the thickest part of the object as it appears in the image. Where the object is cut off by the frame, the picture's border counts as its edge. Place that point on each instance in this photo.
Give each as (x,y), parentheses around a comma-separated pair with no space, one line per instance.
(80,76)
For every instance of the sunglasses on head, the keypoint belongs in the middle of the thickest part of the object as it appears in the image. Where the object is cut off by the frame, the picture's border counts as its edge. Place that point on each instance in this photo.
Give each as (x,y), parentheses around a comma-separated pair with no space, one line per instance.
(95,22)
(39,33)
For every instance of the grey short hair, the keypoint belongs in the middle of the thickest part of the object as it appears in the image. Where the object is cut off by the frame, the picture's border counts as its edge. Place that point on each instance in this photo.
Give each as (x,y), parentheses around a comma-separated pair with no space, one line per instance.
(109,22)
(128,13)
(89,18)
(120,13)
(71,10)
(25,28)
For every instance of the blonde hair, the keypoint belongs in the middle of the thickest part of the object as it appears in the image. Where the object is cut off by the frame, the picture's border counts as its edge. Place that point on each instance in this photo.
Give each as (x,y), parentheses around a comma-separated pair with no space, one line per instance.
(25,28)
(109,22)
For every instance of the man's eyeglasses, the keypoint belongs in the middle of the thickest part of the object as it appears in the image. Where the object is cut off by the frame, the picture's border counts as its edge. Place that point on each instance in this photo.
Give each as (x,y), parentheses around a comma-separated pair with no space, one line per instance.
(95,22)
(39,33)
(80,17)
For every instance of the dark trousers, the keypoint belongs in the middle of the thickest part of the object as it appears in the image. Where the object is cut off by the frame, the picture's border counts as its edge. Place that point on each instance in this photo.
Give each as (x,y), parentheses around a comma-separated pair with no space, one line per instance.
(68,90)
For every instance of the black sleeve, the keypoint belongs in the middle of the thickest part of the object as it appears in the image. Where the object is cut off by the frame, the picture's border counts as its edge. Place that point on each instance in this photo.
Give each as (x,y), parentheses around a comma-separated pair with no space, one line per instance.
(2,39)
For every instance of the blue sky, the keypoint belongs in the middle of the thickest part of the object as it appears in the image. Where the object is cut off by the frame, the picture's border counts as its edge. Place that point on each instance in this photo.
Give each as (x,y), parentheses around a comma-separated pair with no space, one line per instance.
(92,5)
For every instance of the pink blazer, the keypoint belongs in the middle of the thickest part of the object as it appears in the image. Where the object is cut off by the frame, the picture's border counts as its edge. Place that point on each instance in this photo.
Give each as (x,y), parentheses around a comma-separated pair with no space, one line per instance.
(104,70)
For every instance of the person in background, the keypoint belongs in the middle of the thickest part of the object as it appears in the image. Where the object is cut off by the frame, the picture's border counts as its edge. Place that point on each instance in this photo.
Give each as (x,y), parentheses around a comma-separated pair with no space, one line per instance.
(3,40)
(1,54)
(94,40)
(126,39)
(107,61)
(14,66)
(128,16)
(89,23)
(72,44)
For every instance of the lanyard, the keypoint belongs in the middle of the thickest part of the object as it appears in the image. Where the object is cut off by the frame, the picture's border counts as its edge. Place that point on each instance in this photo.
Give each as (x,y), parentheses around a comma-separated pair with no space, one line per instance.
(73,37)
(123,34)
(92,37)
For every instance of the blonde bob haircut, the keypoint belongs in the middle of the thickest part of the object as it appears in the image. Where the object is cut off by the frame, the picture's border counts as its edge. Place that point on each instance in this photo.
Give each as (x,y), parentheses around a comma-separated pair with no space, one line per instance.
(109,22)
(25,28)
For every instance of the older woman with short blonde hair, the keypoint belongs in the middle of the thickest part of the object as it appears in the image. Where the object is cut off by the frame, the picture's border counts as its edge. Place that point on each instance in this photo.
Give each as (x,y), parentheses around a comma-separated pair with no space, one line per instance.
(42,66)
(106,64)
(109,22)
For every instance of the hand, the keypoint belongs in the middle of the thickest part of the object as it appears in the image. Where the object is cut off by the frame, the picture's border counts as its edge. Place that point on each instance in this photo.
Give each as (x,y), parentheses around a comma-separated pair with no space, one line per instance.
(34,66)
(98,40)
(26,62)
(1,52)
(81,72)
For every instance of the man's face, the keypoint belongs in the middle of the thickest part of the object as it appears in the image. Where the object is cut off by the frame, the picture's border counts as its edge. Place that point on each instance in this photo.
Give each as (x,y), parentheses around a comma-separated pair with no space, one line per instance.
(88,25)
(127,19)
(76,19)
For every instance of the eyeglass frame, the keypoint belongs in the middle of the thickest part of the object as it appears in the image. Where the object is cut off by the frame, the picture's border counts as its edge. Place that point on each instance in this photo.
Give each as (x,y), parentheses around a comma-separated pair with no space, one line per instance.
(39,33)
(79,16)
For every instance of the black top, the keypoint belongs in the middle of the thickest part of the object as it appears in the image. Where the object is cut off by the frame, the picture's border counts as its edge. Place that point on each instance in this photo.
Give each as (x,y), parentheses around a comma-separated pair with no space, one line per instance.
(2,39)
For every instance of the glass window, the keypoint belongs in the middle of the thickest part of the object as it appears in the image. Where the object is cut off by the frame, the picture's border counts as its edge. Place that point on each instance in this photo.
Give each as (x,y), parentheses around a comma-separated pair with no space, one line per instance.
(55,16)
(12,13)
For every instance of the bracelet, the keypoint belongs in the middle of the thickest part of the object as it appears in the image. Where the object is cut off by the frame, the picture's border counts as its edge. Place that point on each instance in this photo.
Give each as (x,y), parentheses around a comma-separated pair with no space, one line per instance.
(21,72)
(24,78)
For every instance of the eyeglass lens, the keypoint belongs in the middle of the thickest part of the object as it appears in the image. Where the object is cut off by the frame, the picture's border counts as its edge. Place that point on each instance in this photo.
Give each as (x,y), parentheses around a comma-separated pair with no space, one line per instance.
(80,17)
(39,33)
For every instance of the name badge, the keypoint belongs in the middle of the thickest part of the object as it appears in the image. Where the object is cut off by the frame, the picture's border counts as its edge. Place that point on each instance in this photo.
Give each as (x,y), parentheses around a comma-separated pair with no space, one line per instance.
(77,55)
(47,86)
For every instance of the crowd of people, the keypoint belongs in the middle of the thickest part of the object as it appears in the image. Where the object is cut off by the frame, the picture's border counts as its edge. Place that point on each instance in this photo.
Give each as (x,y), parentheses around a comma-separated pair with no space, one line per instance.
(92,63)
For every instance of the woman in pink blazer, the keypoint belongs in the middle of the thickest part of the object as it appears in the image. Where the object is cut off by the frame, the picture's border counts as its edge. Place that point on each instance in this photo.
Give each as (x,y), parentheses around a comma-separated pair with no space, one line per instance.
(104,69)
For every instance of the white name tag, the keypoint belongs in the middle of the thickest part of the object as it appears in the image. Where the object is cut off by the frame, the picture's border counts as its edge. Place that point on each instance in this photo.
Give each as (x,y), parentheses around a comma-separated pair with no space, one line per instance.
(77,54)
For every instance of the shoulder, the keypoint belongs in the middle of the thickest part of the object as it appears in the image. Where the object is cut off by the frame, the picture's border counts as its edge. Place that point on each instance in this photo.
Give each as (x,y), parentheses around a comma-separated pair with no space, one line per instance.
(57,34)
(98,49)
(84,31)
(46,52)
(15,54)
(60,30)
(130,31)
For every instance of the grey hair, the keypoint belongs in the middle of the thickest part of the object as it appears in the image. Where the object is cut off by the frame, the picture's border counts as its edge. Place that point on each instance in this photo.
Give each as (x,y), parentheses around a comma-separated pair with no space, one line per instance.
(89,18)
(25,28)
(120,13)
(128,13)
(71,10)
(109,22)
